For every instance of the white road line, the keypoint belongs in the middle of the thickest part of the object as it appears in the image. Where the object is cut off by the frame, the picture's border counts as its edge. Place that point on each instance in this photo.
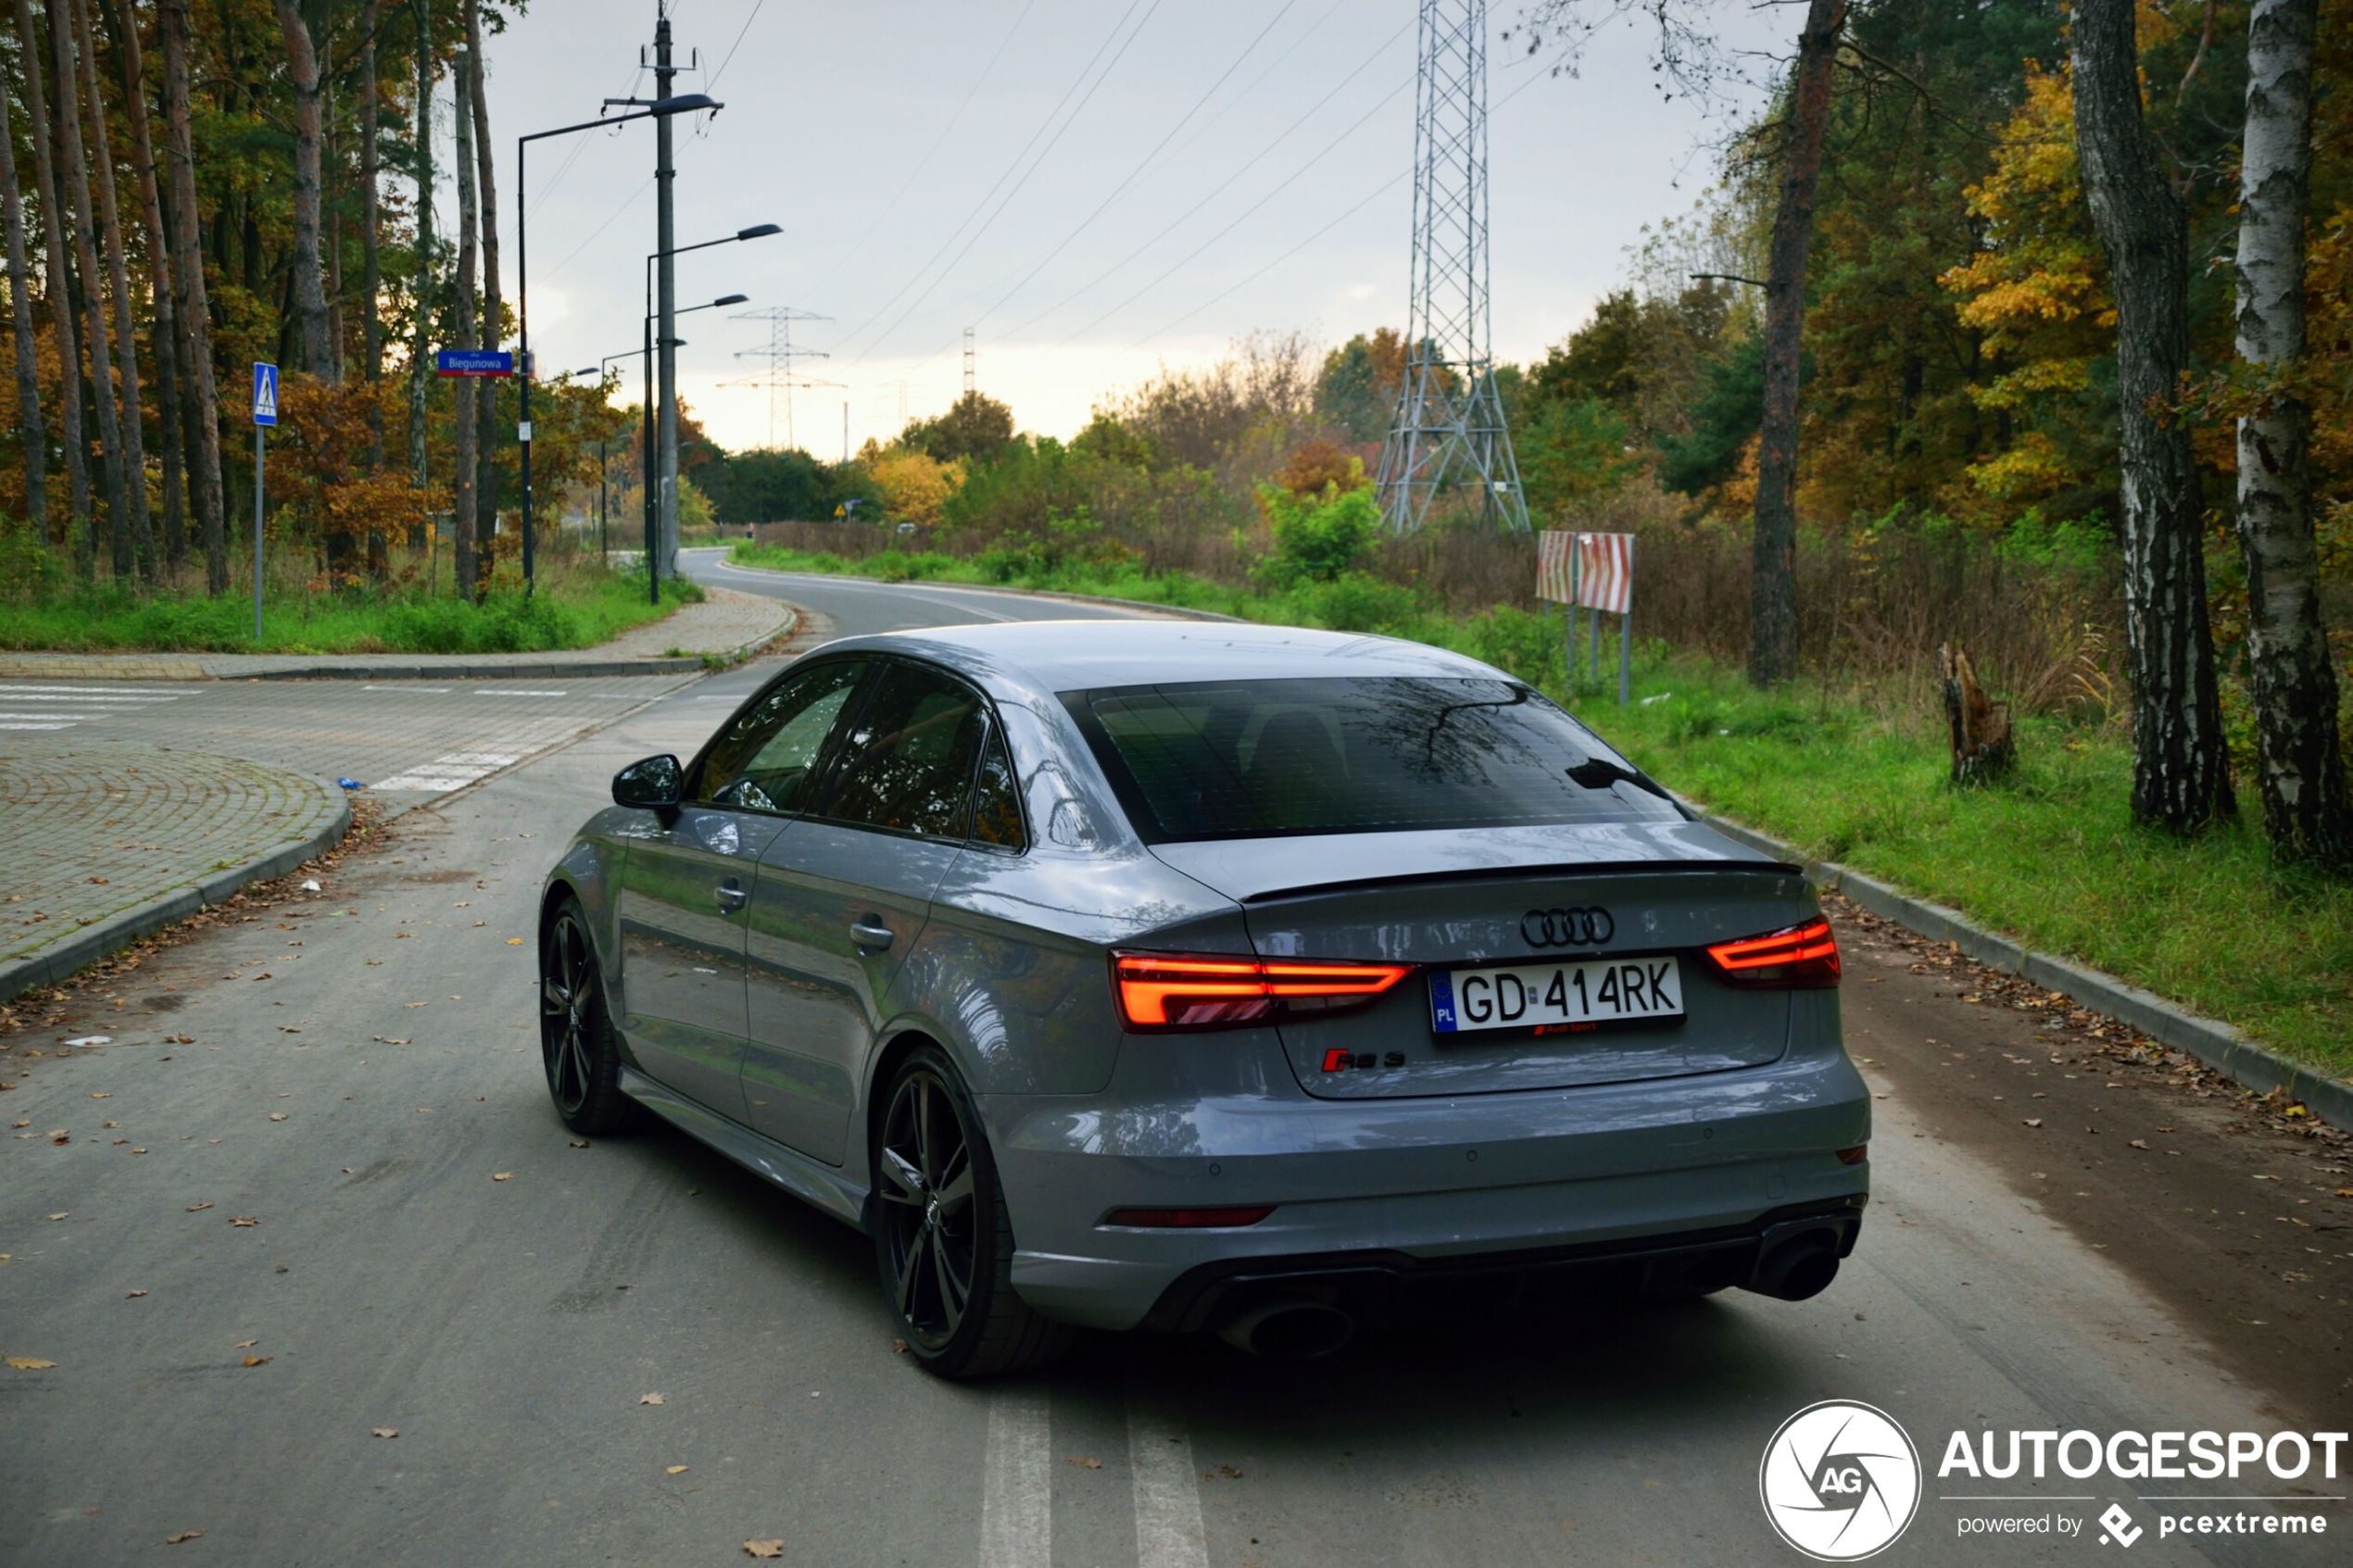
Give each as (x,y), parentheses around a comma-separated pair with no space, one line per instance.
(517,692)
(65,726)
(1160,1462)
(75,720)
(107,691)
(1017,1482)
(18,694)
(454,770)
(421,691)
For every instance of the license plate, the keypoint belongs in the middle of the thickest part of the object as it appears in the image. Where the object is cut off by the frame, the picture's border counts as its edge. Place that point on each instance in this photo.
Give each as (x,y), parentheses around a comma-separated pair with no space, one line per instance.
(1527,996)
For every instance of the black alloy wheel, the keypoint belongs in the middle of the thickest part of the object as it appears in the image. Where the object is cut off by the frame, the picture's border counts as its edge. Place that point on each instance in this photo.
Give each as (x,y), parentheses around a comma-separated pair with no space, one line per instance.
(942,1239)
(575,1029)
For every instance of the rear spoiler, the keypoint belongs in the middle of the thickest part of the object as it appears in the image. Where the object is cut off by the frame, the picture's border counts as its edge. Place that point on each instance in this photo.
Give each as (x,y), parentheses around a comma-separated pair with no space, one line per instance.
(1496,873)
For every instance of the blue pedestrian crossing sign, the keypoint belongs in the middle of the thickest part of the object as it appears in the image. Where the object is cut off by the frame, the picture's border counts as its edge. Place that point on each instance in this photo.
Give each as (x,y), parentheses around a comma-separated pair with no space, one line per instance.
(265,394)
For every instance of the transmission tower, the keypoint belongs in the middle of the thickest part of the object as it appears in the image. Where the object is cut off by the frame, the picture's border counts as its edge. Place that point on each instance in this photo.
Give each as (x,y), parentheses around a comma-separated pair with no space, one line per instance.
(1448,435)
(781,356)
(971,360)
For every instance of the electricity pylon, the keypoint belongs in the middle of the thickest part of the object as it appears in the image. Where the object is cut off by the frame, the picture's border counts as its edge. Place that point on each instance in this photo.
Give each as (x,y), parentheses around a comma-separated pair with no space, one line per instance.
(781,356)
(1448,435)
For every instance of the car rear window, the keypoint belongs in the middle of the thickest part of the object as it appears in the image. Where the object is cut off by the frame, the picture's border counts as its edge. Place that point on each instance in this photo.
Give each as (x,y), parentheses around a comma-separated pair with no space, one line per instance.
(1261,758)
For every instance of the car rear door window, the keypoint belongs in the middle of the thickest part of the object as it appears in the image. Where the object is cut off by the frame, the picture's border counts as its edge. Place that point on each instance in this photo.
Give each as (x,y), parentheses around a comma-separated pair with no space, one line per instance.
(908,760)
(997,797)
(1256,758)
(771,751)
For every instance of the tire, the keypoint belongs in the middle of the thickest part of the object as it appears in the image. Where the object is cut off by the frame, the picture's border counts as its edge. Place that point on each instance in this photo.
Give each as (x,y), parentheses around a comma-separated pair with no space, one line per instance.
(943,1242)
(575,1029)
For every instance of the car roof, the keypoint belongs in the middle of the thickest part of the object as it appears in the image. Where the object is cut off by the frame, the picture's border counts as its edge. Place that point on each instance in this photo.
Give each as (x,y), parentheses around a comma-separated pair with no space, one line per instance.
(1060,656)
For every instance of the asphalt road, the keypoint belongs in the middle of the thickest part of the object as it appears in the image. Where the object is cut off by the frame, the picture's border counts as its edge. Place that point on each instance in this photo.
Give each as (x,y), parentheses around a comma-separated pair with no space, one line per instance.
(342,1206)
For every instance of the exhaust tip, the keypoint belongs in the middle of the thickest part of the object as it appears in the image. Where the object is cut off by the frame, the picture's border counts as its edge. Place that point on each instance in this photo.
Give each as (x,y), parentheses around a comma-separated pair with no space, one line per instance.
(1289,1330)
(1797,1270)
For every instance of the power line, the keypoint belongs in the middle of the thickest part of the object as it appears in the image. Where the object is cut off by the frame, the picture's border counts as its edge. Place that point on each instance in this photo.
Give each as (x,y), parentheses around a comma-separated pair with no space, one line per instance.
(1007,174)
(712,80)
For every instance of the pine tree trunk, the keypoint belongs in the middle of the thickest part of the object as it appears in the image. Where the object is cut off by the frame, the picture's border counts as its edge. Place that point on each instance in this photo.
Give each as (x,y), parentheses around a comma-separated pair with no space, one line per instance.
(493,325)
(309,288)
(1772,642)
(170,425)
(463,521)
(75,165)
(76,524)
(142,541)
(371,332)
(421,346)
(30,425)
(2180,766)
(196,310)
(2306,813)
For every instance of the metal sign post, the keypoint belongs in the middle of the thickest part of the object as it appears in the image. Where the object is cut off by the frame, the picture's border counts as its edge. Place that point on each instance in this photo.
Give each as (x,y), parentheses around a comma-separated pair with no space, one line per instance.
(265,414)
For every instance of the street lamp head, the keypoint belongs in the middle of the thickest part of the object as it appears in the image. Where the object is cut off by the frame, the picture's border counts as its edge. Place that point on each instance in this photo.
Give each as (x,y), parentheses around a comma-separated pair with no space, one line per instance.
(759,231)
(689,103)
(597,370)
(731,299)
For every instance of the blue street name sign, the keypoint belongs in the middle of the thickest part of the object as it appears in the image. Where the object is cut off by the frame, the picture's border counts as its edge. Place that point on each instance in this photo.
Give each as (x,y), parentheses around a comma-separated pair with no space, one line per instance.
(265,394)
(474,362)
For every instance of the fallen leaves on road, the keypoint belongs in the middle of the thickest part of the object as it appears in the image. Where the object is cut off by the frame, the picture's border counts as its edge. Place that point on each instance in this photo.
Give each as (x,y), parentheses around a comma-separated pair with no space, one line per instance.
(1086,1464)
(898,1347)
(198,1208)
(133,1295)
(183,1039)
(288,1028)
(385,1431)
(651,1400)
(413,1004)
(576,1143)
(244,1221)
(60,1216)
(247,1344)
(258,1361)
(30,1363)
(764,1548)
(388,1040)
(102,1093)
(182,1536)
(502,1177)
(674,1470)
(263,975)
(2137,1143)
(2034,1121)
(277,1116)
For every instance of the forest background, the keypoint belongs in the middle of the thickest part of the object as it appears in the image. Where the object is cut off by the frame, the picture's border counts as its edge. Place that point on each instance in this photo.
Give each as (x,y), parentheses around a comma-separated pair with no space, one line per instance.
(174,168)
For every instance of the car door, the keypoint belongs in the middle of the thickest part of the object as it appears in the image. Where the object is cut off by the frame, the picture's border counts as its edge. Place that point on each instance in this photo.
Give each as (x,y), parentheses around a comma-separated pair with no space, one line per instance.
(683,886)
(843,894)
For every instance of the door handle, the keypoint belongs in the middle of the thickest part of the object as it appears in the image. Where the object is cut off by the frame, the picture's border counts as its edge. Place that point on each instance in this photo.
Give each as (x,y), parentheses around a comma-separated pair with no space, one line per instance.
(731,898)
(872,932)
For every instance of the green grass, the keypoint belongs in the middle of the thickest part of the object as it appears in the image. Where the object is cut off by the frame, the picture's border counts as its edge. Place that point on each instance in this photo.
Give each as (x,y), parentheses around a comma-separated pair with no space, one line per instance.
(2049,855)
(579,606)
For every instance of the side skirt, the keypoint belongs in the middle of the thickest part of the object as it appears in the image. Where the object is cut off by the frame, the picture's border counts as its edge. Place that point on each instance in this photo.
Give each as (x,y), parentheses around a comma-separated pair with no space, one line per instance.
(817,1184)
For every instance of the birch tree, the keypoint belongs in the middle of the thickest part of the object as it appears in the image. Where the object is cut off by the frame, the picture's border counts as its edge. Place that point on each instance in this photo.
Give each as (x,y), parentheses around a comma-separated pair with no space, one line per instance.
(2181,767)
(2300,769)
(309,287)
(371,332)
(421,342)
(464,512)
(494,325)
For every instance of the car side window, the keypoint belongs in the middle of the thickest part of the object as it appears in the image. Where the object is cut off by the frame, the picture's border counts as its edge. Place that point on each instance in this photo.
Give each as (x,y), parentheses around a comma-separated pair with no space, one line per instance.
(768,756)
(908,760)
(996,795)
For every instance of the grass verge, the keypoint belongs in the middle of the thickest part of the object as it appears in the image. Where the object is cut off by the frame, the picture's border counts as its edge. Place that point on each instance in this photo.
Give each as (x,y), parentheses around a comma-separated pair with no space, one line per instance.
(577,607)
(2050,856)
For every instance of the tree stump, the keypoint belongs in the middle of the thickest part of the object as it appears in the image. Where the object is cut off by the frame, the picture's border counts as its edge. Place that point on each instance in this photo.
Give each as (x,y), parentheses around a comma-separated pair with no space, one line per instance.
(1981,727)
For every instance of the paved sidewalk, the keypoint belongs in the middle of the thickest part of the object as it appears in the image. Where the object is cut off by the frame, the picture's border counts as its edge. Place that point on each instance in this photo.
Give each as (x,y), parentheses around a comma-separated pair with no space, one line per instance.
(101,843)
(726,625)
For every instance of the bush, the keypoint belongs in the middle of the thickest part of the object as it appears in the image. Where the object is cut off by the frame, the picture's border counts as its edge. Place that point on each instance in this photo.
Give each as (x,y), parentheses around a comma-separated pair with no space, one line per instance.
(1317,539)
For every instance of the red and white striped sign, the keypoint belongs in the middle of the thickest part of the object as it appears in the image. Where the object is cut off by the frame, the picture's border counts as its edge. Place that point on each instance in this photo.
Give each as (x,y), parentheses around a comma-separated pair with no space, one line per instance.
(1605,572)
(1552,549)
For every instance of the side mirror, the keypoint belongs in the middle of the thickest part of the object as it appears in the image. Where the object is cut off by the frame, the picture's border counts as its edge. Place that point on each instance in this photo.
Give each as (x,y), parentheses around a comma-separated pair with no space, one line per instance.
(655,784)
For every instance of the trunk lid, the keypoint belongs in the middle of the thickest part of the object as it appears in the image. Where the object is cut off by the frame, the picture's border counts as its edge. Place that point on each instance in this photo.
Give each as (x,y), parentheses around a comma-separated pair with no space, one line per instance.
(1458,901)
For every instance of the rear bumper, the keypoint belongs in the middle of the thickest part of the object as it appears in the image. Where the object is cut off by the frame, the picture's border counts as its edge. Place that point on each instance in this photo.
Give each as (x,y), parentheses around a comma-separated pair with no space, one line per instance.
(1391,1287)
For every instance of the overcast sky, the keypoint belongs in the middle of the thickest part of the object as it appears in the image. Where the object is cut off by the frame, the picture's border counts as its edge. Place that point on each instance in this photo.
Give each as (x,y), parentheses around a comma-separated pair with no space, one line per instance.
(1094,188)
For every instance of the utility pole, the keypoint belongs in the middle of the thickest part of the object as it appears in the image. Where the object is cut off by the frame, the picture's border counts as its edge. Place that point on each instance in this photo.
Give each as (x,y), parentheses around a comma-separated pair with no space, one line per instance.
(780,354)
(666,350)
(1449,432)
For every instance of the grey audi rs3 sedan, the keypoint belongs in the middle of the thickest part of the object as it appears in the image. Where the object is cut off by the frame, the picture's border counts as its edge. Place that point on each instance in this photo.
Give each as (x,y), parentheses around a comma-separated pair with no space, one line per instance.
(1195,977)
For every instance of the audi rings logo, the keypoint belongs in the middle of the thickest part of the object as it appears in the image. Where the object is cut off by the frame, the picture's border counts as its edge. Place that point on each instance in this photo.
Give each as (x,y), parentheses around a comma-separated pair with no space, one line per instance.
(1840,1481)
(1567,928)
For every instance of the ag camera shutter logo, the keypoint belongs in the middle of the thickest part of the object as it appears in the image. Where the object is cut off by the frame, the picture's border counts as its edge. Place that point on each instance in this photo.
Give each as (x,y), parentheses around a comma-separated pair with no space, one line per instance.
(1840,1481)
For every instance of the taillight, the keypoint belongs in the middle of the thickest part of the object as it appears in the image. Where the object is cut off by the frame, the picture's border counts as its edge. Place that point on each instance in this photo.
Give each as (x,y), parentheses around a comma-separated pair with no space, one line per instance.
(1164,991)
(1803,958)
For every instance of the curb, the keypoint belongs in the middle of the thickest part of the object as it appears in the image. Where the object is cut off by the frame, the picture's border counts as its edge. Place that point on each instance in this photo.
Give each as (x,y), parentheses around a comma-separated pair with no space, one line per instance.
(1175,610)
(545,670)
(101,939)
(2220,1046)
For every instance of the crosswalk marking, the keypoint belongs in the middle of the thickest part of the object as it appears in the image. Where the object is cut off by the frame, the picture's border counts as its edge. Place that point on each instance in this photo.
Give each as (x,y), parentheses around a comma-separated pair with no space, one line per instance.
(1017,1482)
(61,708)
(1159,1463)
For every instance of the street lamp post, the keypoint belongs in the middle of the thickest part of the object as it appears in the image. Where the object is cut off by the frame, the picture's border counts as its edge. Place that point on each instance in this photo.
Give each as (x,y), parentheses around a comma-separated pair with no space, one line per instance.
(658,489)
(660,108)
